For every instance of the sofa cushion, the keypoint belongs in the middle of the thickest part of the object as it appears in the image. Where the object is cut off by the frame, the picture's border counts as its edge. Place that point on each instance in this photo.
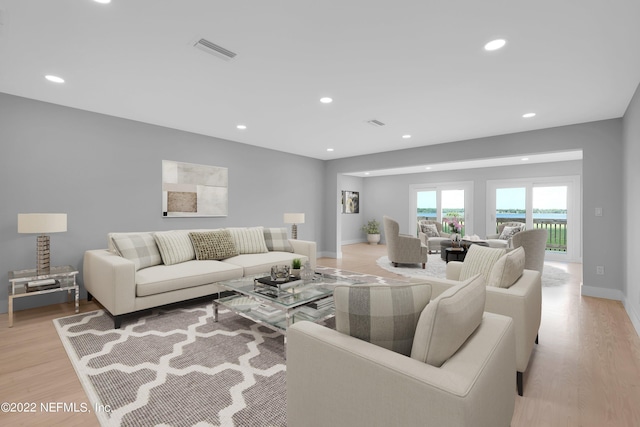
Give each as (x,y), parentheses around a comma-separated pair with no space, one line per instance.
(508,232)
(382,315)
(447,321)
(213,245)
(140,248)
(174,246)
(276,240)
(430,230)
(261,263)
(249,240)
(508,269)
(166,278)
(480,259)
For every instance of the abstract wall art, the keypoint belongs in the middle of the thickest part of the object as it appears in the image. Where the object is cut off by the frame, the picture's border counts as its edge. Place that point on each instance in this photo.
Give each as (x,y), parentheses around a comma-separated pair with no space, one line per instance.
(350,202)
(194,190)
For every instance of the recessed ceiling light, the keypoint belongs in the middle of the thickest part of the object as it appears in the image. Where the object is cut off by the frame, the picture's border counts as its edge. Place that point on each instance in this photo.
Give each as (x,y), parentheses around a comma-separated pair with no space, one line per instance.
(241,127)
(406,136)
(428,168)
(367,173)
(495,44)
(102,1)
(524,159)
(329,149)
(54,79)
(529,115)
(326,100)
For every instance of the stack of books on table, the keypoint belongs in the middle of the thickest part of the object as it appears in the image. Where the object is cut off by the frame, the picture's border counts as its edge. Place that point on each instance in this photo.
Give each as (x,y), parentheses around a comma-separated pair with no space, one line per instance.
(322,304)
(266,310)
(42,285)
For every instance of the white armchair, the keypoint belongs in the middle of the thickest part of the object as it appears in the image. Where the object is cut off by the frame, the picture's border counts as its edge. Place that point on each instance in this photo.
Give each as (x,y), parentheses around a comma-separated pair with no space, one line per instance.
(501,240)
(402,248)
(432,242)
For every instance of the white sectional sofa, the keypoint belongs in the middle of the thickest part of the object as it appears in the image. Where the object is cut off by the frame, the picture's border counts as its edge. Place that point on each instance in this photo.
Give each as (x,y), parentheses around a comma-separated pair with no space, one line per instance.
(143,270)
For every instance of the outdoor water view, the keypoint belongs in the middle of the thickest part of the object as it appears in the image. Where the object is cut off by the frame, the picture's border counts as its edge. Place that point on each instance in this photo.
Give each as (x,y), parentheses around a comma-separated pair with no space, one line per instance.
(549,210)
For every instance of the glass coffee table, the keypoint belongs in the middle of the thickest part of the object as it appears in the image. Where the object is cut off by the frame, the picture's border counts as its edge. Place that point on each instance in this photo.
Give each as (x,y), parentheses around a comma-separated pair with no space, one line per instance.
(280,307)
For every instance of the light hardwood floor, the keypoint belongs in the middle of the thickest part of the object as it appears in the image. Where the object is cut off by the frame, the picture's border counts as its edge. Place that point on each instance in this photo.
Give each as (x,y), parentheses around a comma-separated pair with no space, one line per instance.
(584,372)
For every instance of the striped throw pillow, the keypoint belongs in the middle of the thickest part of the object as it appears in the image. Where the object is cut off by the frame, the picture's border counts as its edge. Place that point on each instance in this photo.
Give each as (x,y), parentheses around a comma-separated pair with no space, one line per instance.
(249,240)
(175,246)
(276,240)
(480,259)
(382,315)
(140,248)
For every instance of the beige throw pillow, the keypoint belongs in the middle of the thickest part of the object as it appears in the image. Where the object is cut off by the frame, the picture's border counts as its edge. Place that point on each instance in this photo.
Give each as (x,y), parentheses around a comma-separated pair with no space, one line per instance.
(213,245)
(448,321)
(480,259)
(507,269)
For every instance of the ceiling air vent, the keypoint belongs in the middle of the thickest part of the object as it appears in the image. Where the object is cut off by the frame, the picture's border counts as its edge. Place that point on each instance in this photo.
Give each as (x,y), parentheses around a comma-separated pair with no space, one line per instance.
(212,48)
(375,122)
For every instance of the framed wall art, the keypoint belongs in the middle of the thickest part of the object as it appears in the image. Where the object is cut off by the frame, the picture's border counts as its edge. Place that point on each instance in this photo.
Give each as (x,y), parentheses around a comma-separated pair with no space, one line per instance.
(350,202)
(190,190)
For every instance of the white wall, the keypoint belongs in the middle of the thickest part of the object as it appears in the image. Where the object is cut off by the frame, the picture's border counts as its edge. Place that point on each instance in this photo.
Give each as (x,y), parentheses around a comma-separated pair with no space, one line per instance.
(632,207)
(351,223)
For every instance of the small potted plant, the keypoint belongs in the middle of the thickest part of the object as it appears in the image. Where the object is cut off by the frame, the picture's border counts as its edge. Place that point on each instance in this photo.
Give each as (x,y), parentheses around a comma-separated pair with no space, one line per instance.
(372,228)
(296,264)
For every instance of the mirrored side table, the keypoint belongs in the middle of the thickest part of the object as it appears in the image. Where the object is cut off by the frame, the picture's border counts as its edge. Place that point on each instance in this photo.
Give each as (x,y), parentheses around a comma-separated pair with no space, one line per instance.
(26,283)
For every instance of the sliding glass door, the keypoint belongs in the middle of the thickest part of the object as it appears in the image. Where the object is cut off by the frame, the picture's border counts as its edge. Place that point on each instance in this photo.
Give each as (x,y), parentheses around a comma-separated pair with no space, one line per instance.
(438,202)
(549,203)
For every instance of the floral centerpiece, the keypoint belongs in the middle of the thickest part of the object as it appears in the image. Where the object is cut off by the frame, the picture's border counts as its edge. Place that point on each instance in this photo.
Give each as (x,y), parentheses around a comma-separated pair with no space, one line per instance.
(454,225)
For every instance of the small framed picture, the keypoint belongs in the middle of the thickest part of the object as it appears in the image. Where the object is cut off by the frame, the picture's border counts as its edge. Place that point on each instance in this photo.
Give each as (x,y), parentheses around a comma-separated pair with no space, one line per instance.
(350,202)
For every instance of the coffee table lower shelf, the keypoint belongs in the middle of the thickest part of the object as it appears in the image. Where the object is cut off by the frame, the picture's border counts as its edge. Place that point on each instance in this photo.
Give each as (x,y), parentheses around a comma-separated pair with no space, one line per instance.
(279,321)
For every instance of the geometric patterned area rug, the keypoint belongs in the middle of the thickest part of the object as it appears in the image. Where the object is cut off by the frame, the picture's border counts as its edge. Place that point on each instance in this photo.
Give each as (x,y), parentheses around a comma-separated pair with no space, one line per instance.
(177,367)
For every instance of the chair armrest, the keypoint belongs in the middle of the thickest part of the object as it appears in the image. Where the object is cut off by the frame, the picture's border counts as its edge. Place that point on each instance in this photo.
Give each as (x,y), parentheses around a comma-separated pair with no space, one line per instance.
(453,270)
(307,248)
(335,379)
(111,279)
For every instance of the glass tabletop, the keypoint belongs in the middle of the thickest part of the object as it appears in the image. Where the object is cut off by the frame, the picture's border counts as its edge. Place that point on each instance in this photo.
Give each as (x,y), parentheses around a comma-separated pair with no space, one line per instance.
(297,293)
(32,274)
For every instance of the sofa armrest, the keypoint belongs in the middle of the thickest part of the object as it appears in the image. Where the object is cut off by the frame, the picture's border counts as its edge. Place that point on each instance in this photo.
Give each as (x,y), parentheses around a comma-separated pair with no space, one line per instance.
(453,270)
(111,279)
(307,248)
(335,379)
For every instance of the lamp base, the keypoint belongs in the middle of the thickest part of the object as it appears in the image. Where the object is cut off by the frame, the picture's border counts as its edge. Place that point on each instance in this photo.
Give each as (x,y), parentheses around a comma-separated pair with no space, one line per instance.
(294,231)
(43,255)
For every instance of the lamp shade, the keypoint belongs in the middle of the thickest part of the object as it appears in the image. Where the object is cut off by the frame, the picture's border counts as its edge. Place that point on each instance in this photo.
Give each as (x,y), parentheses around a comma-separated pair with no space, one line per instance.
(294,218)
(42,223)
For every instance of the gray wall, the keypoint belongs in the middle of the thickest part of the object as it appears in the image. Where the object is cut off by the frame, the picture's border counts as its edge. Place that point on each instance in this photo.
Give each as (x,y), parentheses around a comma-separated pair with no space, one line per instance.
(602,175)
(351,224)
(632,199)
(105,173)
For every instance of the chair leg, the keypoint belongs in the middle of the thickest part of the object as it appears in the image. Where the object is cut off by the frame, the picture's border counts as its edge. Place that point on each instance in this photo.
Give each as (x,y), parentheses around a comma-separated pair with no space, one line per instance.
(519,382)
(89,297)
(424,265)
(395,264)
(536,338)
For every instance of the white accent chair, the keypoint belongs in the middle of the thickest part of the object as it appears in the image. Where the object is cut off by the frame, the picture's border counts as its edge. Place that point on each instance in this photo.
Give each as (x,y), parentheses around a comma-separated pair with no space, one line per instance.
(433,243)
(534,243)
(495,241)
(337,380)
(402,248)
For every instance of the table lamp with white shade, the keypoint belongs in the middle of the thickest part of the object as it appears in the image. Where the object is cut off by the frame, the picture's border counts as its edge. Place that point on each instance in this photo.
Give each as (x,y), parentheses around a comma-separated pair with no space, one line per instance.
(42,224)
(294,219)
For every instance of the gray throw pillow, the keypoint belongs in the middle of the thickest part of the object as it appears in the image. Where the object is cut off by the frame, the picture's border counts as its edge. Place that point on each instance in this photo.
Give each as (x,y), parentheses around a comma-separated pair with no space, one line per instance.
(382,315)
(430,230)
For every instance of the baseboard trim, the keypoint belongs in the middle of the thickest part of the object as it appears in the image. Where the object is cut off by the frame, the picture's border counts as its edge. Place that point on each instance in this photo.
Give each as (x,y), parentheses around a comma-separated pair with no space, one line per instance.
(327,254)
(633,315)
(592,291)
(353,242)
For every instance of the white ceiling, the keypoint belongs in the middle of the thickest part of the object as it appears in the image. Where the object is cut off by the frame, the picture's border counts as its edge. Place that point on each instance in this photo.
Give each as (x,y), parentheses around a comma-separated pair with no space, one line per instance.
(418,66)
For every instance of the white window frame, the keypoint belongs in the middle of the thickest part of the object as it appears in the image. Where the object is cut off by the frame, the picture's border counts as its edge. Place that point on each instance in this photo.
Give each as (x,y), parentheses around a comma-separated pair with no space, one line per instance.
(467,186)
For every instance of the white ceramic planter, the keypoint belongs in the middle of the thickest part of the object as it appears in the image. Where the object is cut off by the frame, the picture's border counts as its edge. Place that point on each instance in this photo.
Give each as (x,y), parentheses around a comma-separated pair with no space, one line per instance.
(373,239)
